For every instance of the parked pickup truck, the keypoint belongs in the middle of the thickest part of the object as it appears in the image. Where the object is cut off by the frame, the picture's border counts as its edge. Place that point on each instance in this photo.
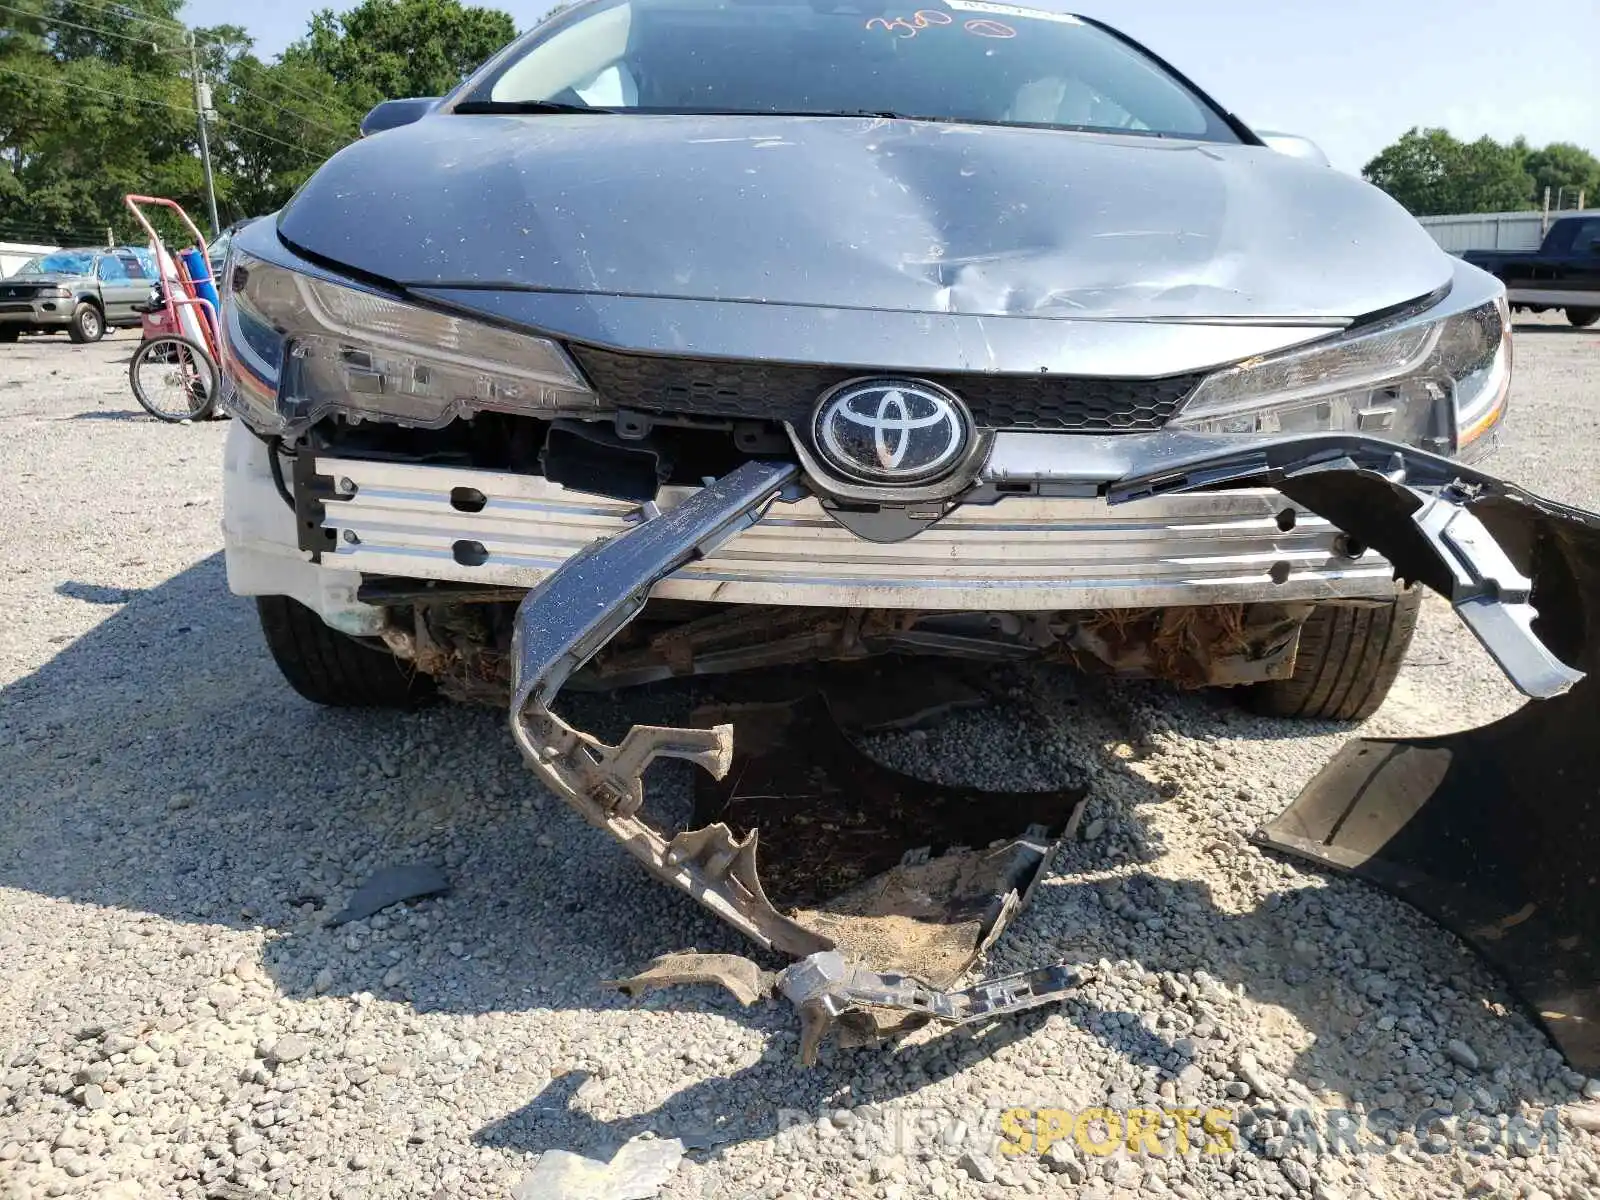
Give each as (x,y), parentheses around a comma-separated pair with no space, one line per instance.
(1562,273)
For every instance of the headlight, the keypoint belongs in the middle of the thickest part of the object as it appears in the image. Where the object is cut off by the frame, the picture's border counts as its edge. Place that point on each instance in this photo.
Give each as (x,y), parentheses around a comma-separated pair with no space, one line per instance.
(1435,384)
(297,348)
(57,293)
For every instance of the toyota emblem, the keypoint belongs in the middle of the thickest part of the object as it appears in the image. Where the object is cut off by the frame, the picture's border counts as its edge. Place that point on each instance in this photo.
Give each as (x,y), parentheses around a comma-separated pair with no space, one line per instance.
(893,431)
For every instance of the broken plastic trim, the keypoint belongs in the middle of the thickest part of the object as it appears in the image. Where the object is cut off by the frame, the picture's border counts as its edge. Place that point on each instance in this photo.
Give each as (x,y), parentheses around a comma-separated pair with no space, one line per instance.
(1371,490)
(1364,486)
(824,987)
(558,627)
(1494,831)
(561,623)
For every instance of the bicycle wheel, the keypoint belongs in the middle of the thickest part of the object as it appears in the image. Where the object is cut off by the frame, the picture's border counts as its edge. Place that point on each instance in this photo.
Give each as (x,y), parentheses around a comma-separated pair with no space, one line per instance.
(173,379)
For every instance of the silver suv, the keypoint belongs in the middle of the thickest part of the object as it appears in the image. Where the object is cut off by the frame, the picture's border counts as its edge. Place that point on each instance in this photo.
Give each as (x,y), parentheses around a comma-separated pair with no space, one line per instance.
(83,291)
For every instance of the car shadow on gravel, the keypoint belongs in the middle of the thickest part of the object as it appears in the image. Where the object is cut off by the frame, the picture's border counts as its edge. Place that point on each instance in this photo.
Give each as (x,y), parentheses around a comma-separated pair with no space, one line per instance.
(158,764)
(94,593)
(111,414)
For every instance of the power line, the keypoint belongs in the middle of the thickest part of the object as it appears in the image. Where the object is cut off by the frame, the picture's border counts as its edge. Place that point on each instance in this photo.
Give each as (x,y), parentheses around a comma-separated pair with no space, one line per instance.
(233,83)
(271,81)
(311,155)
(133,14)
(95,29)
(55,245)
(39,226)
(228,80)
(53,234)
(84,87)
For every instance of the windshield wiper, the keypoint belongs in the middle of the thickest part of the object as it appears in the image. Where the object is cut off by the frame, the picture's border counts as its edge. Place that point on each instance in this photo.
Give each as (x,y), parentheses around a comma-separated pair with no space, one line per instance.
(528,106)
(878,114)
(882,114)
(557,106)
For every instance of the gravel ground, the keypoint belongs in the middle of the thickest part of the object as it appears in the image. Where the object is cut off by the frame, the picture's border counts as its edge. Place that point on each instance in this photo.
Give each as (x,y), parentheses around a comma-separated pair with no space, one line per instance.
(176,1020)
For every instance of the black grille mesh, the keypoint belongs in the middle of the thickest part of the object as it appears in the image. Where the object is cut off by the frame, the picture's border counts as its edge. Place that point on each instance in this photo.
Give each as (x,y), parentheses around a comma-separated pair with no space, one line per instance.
(781,392)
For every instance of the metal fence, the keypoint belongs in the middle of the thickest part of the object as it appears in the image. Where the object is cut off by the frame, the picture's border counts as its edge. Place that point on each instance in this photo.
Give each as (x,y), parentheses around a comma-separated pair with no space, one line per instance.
(1495,231)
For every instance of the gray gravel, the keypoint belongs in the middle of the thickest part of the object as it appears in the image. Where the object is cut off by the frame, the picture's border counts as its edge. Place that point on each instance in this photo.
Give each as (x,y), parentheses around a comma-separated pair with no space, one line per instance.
(175,826)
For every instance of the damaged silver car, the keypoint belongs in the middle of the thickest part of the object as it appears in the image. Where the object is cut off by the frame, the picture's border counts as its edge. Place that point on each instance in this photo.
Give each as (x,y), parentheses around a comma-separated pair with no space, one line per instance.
(693,337)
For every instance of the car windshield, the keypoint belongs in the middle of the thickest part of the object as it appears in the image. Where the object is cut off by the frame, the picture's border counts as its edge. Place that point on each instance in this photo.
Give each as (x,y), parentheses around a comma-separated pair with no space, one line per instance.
(63,262)
(951,60)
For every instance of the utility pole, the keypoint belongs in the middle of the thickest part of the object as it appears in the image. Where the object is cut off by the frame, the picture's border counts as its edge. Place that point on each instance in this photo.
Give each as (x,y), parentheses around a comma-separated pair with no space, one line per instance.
(202,105)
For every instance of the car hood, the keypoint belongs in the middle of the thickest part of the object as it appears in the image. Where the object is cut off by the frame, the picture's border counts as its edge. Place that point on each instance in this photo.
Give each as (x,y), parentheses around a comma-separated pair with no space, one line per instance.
(863,213)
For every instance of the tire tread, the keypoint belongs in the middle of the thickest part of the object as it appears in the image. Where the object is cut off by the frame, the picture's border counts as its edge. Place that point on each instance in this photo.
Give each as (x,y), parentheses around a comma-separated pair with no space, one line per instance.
(1347,661)
(332,669)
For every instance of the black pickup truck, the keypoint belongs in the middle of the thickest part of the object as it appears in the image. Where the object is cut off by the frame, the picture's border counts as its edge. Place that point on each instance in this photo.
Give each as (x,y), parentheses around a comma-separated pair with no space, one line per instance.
(1562,273)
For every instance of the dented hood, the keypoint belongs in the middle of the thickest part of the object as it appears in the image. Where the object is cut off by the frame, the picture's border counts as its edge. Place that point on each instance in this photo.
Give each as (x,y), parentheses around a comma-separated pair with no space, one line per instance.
(863,213)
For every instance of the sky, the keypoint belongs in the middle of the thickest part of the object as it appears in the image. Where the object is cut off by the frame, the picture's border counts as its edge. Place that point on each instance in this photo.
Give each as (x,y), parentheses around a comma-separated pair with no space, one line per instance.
(1352,76)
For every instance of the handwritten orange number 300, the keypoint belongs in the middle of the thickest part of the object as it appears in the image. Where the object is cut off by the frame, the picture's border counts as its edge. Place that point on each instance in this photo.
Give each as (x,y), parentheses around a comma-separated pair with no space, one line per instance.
(923,18)
(908,29)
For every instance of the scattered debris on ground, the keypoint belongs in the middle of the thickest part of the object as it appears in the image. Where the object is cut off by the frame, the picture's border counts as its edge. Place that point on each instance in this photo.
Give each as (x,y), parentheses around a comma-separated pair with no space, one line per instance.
(177,1020)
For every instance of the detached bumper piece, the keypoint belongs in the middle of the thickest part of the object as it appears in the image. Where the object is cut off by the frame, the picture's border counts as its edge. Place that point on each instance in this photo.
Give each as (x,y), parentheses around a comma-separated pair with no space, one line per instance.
(825,988)
(935,905)
(830,992)
(568,617)
(1495,832)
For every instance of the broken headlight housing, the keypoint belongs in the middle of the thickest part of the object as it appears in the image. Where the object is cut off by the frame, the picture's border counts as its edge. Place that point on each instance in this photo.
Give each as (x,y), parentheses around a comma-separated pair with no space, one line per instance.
(1439,385)
(297,347)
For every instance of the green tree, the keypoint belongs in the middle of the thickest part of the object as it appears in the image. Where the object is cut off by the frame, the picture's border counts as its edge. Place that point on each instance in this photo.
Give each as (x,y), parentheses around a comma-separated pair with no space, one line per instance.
(92,105)
(276,123)
(1565,170)
(1431,172)
(386,49)
(97,101)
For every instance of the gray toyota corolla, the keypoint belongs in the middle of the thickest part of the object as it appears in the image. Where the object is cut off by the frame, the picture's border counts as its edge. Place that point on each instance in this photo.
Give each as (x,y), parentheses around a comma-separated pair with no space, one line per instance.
(693,336)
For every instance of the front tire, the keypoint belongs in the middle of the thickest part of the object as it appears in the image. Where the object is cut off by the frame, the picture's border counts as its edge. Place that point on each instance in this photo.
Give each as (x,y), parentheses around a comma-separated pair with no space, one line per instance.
(9,333)
(1582,318)
(87,324)
(330,668)
(1346,664)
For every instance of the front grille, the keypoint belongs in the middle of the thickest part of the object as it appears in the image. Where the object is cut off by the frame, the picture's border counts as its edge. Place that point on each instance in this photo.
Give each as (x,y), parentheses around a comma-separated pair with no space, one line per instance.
(15,308)
(781,392)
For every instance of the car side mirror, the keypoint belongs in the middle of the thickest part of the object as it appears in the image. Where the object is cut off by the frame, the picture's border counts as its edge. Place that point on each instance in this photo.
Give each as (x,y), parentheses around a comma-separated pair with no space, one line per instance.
(1295,146)
(392,114)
